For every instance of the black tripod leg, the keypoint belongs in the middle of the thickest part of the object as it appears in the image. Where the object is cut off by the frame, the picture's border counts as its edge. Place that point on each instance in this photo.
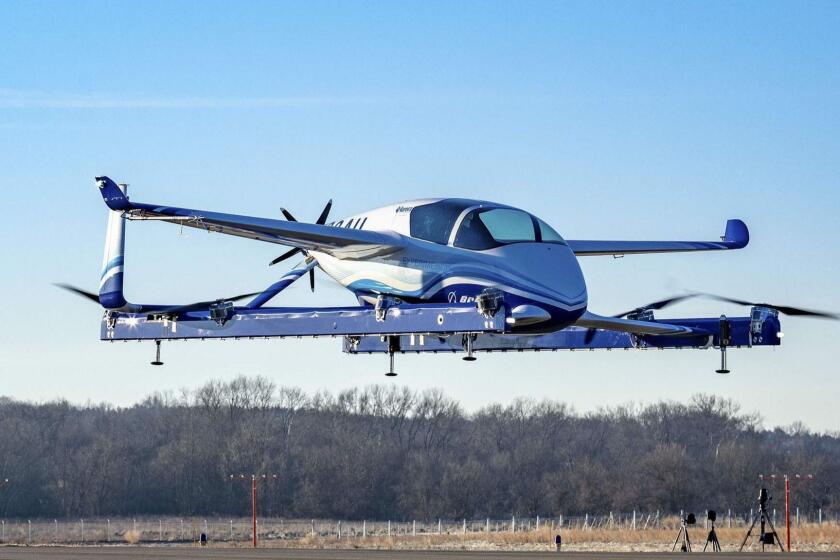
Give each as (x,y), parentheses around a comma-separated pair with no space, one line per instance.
(778,540)
(673,548)
(749,531)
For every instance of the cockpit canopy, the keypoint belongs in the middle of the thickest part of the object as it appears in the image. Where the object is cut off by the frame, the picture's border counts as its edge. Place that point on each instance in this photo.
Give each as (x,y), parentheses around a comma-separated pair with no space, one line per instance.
(479,226)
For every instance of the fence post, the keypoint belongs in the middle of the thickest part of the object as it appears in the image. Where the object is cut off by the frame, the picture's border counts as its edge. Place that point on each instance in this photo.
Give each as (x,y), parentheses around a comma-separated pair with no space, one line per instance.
(438,525)
(487,527)
(364,528)
(414,528)
(313,527)
(29,534)
(108,537)
(182,531)
(820,518)
(729,518)
(389,527)
(797,517)
(56,531)
(3,523)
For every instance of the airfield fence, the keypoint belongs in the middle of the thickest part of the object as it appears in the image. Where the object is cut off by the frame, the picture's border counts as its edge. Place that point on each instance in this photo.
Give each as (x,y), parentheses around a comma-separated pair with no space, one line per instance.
(169,530)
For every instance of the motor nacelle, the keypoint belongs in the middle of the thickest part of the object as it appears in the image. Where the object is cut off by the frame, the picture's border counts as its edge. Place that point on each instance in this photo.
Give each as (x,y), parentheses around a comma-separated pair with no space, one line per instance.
(221,311)
(762,320)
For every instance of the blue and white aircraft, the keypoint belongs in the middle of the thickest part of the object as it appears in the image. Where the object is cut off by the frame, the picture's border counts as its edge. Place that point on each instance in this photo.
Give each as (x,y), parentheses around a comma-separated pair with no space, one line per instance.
(464,274)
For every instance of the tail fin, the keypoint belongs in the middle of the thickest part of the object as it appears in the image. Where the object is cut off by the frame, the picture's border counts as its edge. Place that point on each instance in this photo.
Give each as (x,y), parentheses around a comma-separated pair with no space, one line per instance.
(111,282)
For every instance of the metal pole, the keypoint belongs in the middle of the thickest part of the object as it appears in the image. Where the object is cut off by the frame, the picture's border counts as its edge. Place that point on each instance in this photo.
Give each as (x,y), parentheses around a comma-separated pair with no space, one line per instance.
(787,510)
(254,507)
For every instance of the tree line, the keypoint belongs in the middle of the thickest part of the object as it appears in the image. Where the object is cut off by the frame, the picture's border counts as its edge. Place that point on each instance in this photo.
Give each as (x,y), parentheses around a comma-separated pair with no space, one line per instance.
(387,452)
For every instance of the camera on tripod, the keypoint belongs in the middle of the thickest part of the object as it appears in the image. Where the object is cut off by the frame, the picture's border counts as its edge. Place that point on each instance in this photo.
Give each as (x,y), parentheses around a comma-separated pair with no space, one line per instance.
(763,497)
(690,519)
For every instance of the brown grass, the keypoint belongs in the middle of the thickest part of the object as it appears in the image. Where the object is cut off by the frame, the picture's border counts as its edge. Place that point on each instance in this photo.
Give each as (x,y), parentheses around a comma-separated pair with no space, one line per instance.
(132,536)
(810,537)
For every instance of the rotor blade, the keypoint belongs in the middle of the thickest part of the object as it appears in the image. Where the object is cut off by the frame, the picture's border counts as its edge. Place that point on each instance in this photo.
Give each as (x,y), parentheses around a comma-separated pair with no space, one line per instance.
(200,305)
(284,256)
(78,291)
(656,305)
(288,215)
(784,309)
(322,219)
(312,279)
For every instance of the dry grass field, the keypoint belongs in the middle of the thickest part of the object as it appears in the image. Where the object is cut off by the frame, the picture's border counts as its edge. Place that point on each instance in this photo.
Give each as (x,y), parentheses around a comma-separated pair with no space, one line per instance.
(812,537)
(276,533)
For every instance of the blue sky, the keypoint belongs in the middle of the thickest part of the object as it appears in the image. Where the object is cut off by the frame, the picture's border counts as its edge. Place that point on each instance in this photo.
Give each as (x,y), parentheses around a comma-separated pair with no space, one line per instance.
(609,120)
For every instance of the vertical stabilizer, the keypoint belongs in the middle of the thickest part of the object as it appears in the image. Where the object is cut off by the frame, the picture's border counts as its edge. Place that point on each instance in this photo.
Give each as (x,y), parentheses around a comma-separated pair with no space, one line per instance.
(111,282)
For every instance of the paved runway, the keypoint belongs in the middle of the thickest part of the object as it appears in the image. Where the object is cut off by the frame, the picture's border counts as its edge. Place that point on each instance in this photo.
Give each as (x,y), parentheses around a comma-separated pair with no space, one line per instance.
(194,553)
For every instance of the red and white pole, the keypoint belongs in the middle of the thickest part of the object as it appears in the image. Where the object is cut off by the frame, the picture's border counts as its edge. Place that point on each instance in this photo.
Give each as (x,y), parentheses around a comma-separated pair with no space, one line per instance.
(787,509)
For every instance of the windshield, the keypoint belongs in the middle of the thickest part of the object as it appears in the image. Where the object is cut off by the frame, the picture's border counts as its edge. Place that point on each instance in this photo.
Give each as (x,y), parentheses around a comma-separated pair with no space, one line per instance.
(434,222)
(487,228)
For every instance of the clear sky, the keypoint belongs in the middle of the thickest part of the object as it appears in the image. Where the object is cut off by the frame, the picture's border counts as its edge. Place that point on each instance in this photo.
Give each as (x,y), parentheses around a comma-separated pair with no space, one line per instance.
(619,120)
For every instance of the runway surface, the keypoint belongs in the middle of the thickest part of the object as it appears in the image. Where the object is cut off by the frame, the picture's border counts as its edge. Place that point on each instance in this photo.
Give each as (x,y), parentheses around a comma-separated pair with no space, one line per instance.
(194,553)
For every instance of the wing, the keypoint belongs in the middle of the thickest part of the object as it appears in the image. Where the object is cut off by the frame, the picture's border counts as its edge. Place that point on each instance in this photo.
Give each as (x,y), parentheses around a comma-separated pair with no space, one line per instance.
(345,243)
(736,237)
(593,321)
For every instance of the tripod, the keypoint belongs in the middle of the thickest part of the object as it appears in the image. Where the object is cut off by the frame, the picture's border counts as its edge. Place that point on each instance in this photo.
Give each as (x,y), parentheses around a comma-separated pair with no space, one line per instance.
(686,541)
(766,538)
(712,538)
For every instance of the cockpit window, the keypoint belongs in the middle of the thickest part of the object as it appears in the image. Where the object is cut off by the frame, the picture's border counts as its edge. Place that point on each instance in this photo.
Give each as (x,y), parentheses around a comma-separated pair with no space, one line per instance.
(547,233)
(433,222)
(492,227)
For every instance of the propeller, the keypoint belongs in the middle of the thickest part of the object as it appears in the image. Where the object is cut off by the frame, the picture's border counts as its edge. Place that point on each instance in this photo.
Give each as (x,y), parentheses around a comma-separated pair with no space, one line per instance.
(653,306)
(322,219)
(79,292)
(172,310)
(657,305)
(199,305)
(783,309)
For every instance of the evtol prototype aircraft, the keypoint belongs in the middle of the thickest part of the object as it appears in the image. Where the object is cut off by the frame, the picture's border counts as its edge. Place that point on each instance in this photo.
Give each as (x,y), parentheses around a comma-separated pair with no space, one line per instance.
(433,275)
